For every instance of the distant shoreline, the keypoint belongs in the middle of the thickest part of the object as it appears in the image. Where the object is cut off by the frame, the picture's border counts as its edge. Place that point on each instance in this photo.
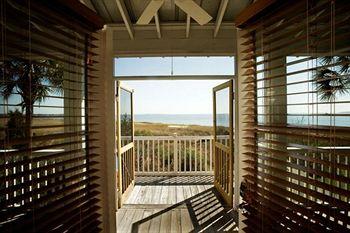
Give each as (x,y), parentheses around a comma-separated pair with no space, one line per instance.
(178,119)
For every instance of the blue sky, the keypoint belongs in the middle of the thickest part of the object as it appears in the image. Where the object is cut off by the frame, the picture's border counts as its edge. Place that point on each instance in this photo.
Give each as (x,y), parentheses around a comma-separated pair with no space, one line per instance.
(160,97)
(193,97)
(173,96)
(149,66)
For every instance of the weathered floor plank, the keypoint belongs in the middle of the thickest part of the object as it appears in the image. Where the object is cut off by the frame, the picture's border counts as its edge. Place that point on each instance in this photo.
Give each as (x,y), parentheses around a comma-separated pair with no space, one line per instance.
(175,221)
(165,223)
(143,226)
(155,222)
(174,204)
(186,223)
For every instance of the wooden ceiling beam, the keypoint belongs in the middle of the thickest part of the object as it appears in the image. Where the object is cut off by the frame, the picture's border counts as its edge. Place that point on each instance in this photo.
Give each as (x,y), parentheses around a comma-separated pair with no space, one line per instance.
(126,18)
(174,26)
(254,10)
(220,16)
(75,11)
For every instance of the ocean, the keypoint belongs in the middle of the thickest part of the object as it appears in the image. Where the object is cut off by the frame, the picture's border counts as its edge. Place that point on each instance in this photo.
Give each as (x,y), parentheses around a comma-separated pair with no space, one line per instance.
(207,119)
(184,119)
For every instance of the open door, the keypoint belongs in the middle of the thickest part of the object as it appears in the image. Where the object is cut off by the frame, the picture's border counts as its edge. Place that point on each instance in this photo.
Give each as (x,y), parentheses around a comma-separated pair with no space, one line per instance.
(223,140)
(125,142)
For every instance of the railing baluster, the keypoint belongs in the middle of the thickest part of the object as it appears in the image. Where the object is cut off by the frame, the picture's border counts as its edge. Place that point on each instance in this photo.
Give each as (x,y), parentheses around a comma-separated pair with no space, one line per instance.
(158,155)
(143,156)
(163,155)
(168,155)
(200,155)
(205,156)
(148,156)
(175,156)
(179,153)
(183,149)
(153,161)
(138,154)
(185,156)
(195,154)
(211,154)
(190,159)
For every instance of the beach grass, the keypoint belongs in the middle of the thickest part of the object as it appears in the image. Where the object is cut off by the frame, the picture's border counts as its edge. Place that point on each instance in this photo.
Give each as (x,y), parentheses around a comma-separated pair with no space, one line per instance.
(141,129)
(160,129)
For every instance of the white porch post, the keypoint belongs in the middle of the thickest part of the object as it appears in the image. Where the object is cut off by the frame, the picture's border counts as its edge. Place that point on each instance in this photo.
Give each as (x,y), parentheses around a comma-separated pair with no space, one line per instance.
(239,125)
(109,126)
(102,113)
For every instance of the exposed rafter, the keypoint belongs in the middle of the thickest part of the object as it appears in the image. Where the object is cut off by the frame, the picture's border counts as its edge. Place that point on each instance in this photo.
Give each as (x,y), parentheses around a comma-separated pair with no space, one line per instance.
(156,19)
(188,25)
(220,15)
(126,18)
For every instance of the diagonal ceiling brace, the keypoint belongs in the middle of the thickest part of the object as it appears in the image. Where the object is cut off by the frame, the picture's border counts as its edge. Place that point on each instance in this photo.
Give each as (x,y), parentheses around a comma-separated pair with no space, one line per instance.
(150,11)
(194,10)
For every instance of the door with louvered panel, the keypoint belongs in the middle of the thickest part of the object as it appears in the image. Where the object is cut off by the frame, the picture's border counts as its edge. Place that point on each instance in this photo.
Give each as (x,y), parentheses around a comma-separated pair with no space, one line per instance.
(223,140)
(49,173)
(125,142)
(296,126)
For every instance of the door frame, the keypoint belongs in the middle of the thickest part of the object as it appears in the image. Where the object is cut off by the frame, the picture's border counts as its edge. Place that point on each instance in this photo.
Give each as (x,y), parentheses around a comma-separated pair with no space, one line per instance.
(228,197)
(119,149)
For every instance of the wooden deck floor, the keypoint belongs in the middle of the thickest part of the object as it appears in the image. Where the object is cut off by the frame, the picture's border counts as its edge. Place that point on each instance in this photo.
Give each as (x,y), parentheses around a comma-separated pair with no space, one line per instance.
(175,204)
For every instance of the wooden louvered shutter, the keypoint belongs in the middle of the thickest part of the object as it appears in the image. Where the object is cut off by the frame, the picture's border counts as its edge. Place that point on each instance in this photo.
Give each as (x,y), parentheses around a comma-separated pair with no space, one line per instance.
(296,117)
(47,173)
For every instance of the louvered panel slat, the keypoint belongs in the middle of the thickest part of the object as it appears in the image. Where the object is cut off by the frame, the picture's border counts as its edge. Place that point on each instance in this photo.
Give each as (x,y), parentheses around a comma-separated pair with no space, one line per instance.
(293,213)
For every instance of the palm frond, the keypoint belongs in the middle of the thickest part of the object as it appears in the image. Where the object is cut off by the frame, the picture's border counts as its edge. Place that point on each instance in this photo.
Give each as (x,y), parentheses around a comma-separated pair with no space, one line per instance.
(8,89)
(326,60)
(34,81)
(345,64)
(329,83)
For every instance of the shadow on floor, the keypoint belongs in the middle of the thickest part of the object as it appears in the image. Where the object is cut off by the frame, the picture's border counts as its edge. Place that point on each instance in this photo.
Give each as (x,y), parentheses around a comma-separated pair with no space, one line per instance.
(175,180)
(207,212)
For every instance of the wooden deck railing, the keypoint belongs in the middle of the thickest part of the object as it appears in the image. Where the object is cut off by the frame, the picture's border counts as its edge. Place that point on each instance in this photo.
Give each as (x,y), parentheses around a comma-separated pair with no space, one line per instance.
(157,155)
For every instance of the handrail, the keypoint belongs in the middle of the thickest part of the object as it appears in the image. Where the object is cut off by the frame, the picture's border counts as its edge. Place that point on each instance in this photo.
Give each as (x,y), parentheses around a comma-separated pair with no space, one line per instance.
(174,136)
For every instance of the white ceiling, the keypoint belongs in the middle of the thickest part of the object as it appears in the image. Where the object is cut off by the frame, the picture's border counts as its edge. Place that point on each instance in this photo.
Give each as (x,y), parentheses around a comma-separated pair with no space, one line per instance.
(169,12)
(173,34)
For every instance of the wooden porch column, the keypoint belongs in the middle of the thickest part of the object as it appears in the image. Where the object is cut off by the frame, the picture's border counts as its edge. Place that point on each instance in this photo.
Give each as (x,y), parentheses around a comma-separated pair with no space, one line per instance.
(102,113)
(241,106)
